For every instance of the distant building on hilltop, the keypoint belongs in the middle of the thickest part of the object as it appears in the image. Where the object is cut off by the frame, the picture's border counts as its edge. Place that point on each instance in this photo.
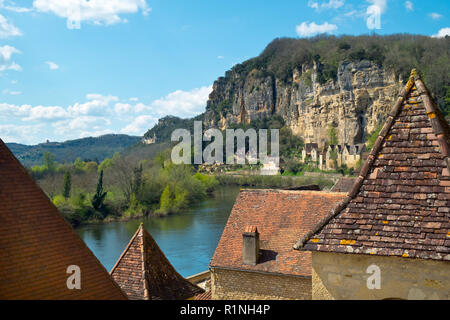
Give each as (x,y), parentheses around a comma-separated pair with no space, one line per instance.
(390,237)
(149,140)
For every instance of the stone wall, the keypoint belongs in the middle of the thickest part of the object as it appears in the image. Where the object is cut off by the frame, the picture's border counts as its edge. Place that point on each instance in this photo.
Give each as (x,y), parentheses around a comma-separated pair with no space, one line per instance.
(343,276)
(243,285)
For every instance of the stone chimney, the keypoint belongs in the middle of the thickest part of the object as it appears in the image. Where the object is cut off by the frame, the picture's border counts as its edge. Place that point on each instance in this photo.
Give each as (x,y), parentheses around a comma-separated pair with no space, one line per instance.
(250,247)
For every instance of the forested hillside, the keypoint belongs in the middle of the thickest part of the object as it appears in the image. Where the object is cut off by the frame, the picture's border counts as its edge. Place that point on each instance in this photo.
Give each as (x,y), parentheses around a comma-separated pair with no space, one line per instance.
(95,149)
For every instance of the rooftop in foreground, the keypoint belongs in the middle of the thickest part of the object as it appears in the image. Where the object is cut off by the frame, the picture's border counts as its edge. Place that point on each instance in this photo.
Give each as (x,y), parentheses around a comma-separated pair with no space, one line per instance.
(281,217)
(400,203)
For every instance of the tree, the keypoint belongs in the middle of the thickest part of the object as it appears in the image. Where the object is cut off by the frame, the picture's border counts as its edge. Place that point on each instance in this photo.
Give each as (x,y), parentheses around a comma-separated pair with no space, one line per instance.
(137,180)
(332,135)
(67,184)
(49,161)
(100,194)
(166,202)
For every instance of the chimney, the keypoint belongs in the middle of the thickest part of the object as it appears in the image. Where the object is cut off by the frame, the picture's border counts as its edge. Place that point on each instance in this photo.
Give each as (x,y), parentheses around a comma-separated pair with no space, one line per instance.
(250,247)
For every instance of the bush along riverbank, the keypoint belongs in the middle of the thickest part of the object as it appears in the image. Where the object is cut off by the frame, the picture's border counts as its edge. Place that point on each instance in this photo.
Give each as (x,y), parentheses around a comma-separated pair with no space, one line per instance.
(120,188)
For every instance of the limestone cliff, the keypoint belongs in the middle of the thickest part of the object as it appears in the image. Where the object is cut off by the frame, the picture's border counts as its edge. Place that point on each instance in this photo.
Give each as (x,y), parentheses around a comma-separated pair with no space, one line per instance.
(355,102)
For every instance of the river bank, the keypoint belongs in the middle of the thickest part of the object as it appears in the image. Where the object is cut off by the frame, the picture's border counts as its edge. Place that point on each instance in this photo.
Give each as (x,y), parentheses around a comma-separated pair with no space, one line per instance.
(188,239)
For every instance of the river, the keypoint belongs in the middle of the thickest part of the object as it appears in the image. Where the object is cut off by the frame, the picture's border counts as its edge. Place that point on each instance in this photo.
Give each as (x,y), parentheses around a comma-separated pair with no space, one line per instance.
(188,239)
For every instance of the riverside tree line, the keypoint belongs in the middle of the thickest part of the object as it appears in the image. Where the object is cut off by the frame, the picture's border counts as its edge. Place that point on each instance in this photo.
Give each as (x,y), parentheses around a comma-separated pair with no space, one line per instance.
(120,187)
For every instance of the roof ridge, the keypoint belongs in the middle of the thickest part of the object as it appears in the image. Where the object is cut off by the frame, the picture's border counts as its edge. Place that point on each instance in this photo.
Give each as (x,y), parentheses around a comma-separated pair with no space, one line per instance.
(434,115)
(144,259)
(58,215)
(126,249)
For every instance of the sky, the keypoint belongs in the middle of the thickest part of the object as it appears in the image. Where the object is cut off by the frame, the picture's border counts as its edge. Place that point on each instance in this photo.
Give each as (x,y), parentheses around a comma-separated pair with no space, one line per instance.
(79,68)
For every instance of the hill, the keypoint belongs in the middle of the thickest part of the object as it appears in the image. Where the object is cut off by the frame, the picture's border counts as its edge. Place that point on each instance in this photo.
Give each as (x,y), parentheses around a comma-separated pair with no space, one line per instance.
(348,82)
(93,148)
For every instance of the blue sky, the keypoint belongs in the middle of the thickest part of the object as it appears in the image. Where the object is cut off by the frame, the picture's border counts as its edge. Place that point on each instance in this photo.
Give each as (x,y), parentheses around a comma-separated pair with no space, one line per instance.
(130,62)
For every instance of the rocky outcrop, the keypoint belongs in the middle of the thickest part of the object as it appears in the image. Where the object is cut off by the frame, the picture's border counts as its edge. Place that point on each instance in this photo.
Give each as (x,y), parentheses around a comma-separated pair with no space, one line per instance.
(355,102)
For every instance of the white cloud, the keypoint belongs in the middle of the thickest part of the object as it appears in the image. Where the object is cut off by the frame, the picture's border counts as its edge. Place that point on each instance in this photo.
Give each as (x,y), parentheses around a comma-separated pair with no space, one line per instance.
(11,6)
(442,33)
(331,4)
(20,133)
(133,99)
(140,125)
(98,114)
(5,58)
(7,29)
(99,12)
(97,104)
(52,65)
(46,113)
(183,103)
(307,30)
(409,5)
(6,52)
(13,93)
(220,57)
(435,15)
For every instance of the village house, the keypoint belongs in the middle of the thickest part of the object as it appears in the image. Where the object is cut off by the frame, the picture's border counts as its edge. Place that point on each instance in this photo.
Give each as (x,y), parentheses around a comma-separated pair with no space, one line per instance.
(254,258)
(349,155)
(390,237)
(310,152)
(144,272)
(41,253)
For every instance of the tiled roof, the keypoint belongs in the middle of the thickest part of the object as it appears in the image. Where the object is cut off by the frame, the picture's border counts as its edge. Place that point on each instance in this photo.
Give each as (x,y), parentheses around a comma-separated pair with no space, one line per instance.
(310,146)
(37,245)
(144,272)
(203,296)
(281,217)
(400,204)
(343,185)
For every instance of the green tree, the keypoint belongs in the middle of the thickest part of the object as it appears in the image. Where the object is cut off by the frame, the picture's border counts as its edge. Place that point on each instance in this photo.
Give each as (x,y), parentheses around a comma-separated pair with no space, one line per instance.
(332,135)
(166,202)
(100,194)
(49,161)
(137,180)
(67,184)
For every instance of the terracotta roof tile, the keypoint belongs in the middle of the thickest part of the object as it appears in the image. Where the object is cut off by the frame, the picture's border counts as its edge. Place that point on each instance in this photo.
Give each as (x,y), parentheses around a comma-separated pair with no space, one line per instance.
(281,217)
(203,296)
(37,244)
(144,272)
(400,203)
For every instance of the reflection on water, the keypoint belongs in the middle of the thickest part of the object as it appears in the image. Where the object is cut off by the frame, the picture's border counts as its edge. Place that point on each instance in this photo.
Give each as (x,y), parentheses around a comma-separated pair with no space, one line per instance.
(187,239)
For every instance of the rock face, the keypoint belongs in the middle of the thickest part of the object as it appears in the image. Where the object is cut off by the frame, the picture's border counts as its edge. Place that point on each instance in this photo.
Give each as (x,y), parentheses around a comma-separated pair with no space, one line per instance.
(355,103)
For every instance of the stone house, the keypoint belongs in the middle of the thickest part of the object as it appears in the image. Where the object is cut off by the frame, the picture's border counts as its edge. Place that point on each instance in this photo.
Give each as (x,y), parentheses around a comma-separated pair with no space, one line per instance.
(151,140)
(41,254)
(255,258)
(390,237)
(144,272)
(310,152)
(346,154)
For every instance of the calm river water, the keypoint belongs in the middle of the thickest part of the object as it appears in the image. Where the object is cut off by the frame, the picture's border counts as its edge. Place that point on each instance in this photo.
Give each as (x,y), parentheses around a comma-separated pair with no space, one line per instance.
(187,239)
